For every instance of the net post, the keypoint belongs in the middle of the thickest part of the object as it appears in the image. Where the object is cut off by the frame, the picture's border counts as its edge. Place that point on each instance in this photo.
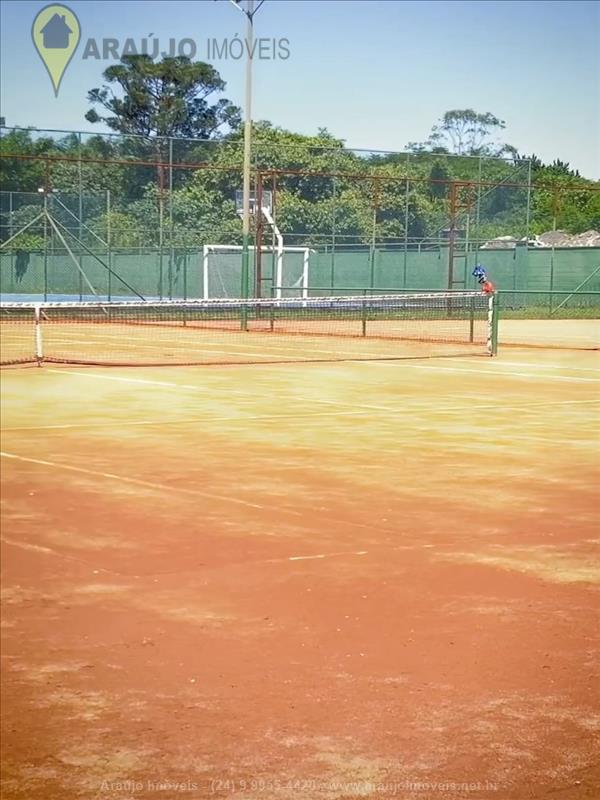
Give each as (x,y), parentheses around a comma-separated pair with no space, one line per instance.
(493,315)
(472,320)
(39,351)
(45,247)
(305,267)
(205,255)
(258,236)
(364,312)
(108,246)
(185,272)
(245,280)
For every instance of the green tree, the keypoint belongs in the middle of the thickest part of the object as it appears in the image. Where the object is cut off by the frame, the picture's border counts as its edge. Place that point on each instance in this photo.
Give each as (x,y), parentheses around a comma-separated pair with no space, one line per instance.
(24,174)
(440,178)
(171,97)
(563,200)
(464,131)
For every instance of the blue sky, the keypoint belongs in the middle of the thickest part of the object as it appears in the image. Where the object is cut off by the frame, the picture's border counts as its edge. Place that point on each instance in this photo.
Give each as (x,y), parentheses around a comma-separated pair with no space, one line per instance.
(377,74)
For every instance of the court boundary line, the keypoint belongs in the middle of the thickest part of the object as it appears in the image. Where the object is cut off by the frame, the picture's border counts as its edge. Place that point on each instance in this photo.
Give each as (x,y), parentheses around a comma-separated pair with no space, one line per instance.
(502,362)
(136,481)
(491,373)
(406,407)
(193,492)
(363,362)
(186,421)
(322,401)
(50,551)
(318,556)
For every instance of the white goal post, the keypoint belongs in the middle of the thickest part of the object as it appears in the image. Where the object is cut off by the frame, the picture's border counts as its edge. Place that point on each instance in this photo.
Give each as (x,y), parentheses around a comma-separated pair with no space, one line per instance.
(280,251)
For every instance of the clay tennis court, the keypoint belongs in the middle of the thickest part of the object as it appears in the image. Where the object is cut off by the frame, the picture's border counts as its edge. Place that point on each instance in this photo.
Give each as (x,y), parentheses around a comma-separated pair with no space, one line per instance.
(359,579)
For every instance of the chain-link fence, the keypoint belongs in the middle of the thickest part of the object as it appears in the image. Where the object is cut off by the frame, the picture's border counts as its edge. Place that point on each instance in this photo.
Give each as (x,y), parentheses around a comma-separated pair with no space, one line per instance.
(115,216)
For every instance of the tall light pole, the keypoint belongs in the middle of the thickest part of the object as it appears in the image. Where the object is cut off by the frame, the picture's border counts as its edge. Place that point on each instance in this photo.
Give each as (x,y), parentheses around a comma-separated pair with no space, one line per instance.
(249,11)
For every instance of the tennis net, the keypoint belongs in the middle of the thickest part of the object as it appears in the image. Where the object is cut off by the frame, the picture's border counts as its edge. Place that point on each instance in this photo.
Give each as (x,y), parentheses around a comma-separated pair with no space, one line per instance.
(248,331)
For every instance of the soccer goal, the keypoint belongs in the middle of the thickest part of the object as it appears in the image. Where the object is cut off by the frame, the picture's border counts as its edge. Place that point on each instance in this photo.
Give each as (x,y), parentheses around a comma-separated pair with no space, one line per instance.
(286,267)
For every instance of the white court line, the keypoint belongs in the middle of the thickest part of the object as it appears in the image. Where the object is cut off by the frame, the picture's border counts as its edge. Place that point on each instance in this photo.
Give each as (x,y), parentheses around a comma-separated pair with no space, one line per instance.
(167,384)
(50,552)
(139,482)
(210,390)
(505,407)
(326,555)
(490,372)
(370,527)
(341,404)
(589,441)
(67,557)
(502,363)
(415,430)
(404,408)
(187,421)
(416,408)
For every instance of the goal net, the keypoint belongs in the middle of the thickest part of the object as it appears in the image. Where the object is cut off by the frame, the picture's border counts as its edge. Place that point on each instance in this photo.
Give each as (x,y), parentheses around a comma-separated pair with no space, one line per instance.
(285,271)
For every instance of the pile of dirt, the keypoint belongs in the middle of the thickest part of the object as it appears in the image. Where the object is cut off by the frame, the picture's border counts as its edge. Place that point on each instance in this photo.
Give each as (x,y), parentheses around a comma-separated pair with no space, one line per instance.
(562,239)
(501,243)
(549,239)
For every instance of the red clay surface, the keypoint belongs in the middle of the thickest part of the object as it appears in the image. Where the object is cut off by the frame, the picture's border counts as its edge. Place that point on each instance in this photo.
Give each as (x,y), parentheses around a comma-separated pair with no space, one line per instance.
(365,580)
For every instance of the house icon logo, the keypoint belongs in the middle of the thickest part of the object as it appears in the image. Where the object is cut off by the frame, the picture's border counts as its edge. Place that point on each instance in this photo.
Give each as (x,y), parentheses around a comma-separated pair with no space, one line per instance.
(56,33)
